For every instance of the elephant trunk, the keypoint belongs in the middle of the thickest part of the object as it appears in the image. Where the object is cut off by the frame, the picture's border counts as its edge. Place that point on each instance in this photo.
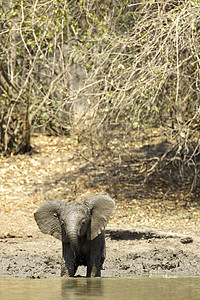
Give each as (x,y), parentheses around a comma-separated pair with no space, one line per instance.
(73,240)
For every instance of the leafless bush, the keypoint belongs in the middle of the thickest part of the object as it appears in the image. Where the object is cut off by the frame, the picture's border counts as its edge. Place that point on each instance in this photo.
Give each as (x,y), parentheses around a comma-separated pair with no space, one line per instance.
(98,66)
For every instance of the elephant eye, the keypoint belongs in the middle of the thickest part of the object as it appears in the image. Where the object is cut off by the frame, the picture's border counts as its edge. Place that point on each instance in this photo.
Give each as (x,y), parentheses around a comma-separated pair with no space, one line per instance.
(83,222)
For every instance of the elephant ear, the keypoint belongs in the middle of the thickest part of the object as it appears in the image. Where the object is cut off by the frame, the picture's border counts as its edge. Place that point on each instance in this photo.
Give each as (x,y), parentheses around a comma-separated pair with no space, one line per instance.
(101,207)
(47,218)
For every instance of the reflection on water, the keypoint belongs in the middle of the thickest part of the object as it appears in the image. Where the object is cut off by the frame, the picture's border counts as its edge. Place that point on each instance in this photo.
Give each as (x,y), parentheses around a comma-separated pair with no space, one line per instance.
(101,288)
(90,288)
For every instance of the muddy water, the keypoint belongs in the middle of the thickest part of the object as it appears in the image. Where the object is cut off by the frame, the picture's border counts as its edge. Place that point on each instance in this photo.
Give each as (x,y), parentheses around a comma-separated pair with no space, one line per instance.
(102,288)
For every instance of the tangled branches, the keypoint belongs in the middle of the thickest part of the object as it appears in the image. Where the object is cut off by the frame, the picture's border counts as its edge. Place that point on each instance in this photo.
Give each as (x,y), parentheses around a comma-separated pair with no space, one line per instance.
(74,66)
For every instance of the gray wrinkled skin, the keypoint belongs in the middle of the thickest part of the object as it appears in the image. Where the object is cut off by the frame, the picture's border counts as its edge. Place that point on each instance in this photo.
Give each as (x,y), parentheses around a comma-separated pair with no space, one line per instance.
(80,227)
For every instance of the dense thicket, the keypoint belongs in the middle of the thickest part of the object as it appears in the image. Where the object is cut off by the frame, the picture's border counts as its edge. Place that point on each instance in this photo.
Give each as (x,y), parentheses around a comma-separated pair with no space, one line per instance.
(98,67)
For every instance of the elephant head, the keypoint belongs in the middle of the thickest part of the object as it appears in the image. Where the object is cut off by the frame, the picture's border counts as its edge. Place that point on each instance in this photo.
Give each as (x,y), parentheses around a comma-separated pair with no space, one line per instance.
(70,222)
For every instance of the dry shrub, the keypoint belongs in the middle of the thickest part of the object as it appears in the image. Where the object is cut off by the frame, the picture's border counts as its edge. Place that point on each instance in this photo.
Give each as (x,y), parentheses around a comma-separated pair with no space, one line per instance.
(104,70)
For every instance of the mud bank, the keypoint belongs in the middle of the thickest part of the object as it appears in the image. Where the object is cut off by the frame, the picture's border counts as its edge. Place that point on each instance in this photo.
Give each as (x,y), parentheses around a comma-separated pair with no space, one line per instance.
(130,253)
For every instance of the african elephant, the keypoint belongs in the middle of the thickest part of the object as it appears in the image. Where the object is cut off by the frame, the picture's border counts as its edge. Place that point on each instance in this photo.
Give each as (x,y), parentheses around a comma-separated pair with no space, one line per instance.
(80,227)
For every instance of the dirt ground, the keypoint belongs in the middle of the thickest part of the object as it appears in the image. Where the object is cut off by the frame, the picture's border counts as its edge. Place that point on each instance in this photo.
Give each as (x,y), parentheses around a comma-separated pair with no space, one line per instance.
(130,253)
(141,239)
